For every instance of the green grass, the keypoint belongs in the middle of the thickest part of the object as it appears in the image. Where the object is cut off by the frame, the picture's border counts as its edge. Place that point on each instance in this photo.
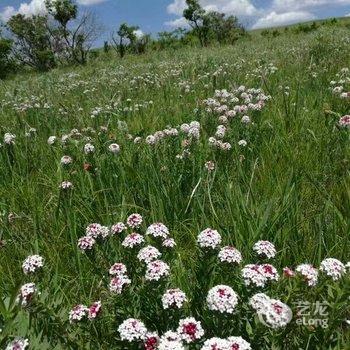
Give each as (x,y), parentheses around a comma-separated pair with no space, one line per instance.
(290,185)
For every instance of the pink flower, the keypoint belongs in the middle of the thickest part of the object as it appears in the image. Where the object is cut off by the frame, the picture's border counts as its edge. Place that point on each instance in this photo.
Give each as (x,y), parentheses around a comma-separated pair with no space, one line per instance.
(238,343)
(272,312)
(156,270)
(158,230)
(132,330)
(26,294)
(97,230)
(78,313)
(148,254)
(230,255)
(86,243)
(169,243)
(209,165)
(259,275)
(32,263)
(215,344)
(287,272)
(94,310)
(117,283)
(309,273)
(333,268)
(209,238)
(222,298)
(118,269)
(151,341)
(18,344)
(265,248)
(173,298)
(132,240)
(118,228)
(190,330)
(134,220)
(345,121)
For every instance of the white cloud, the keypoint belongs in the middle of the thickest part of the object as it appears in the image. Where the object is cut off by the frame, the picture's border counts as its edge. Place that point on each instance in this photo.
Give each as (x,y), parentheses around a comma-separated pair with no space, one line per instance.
(274,19)
(7,13)
(240,8)
(36,7)
(348,15)
(176,7)
(90,2)
(234,7)
(294,5)
(177,23)
(139,33)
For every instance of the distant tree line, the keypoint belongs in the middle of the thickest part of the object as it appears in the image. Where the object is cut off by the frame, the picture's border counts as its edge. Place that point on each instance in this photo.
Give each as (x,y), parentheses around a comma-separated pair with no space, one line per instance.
(300,28)
(42,42)
(206,27)
(63,36)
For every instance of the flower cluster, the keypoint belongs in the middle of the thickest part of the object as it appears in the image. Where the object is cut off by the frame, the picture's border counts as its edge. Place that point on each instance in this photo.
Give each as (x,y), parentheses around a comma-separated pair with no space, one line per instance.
(230,255)
(18,344)
(222,298)
(156,270)
(118,269)
(227,106)
(26,293)
(9,139)
(120,279)
(132,330)
(32,263)
(333,268)
(259,275)
(170,341)
(265,248)
(158,230)
(117,283)
(118,228)
(97,230)
(272,312)
(79,312)
(190,330)
(151,341)
(134,220)
(173,298)
(209,238)
(133,240)
(231,343)
(309,273)
(344,121)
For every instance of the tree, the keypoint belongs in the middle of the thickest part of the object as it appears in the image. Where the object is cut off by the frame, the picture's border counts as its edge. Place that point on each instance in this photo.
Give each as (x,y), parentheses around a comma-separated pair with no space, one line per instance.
(196,17)
(211,25)
(125,36)
(73,36)
(106,47)
(6,63)
(224,29)
(59,37)
(32,42)
(139,45)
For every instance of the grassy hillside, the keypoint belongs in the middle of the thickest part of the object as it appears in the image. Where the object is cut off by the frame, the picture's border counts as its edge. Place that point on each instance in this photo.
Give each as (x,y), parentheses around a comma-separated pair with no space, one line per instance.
(319,23)
(289,185)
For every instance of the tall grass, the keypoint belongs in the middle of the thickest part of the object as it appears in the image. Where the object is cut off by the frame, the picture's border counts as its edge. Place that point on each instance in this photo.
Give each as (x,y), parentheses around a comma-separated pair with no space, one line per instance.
(290,185)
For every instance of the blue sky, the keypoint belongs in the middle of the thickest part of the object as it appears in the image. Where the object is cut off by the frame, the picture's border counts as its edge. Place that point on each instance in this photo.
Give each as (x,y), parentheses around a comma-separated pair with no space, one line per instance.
(153,16)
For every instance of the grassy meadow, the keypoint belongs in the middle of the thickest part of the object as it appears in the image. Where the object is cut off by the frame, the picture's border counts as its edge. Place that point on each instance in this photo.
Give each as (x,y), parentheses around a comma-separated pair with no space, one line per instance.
(287,184)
